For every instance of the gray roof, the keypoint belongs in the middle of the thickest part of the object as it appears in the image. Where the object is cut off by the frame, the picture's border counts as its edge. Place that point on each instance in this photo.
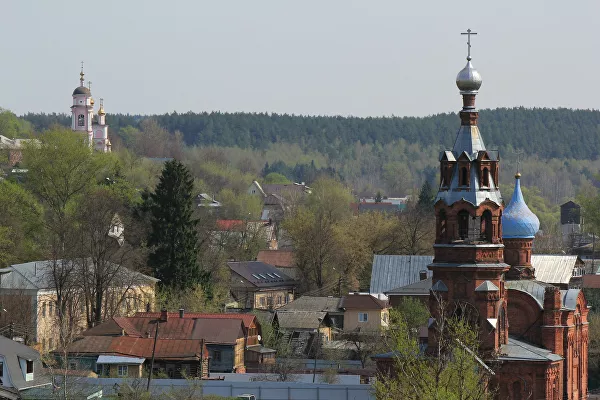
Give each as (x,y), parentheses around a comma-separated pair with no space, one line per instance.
(517,350)
(12,351)
(487,286)
(474,195)
(81,90)
(569,298)
(534,288)
(391,271)
(469,140)
(420,288)
(299,319)
(556,269)
(439,286)
(261,274)
(310,303)
(104,359)
(36,275)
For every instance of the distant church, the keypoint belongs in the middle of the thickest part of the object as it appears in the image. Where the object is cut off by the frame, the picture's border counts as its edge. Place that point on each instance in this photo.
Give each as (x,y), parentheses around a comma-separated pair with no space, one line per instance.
(534,332)
(82,117)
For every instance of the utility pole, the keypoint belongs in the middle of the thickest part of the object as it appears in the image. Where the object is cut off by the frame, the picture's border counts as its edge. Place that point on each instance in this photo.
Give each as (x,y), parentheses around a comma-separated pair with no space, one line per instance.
(152,360)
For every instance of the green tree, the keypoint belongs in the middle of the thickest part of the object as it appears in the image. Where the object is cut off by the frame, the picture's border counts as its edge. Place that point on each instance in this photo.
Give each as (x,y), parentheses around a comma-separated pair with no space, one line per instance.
(451,371)
(173,237)
(274,177)
(426,197)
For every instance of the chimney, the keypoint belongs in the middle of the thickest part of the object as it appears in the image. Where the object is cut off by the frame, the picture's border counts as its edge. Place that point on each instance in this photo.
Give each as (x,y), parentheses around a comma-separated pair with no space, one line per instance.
(181,312)
(422,275)
(164,315)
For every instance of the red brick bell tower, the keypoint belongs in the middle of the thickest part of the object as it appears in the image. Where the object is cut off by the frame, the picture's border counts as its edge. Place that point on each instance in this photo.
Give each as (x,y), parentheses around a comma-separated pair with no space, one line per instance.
(469,263)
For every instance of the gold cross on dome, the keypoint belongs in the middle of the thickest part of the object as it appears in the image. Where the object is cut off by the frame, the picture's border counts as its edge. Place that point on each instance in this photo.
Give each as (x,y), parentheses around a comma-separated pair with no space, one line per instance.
(468,33)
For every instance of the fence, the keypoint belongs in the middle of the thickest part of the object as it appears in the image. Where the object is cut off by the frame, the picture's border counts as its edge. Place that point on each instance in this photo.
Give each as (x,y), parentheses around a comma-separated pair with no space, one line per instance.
(262,390)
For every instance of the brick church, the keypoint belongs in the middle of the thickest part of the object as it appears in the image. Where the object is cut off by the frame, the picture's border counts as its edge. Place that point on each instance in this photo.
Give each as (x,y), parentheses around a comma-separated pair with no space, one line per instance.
(535,333)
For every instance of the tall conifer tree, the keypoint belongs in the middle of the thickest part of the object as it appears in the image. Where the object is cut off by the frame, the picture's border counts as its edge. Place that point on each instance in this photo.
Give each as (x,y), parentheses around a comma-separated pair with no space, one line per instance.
(173,237)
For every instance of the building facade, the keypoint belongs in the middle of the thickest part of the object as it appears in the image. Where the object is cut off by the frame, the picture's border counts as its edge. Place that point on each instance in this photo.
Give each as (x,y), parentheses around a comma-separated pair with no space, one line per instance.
(533,332)
(95,129)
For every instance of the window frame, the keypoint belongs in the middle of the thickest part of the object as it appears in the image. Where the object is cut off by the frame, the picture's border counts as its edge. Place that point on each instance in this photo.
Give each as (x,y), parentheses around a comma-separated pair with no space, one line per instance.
(361,315)
(121,368)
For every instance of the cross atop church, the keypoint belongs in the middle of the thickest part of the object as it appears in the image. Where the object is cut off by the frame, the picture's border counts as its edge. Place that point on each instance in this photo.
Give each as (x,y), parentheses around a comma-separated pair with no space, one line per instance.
(519,153)
(468,33)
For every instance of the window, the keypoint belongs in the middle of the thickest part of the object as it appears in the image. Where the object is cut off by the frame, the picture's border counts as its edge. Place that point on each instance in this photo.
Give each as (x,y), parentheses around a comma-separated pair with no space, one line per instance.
(463,224)
(50,344)
(464,181)
(29,364)
(50,308)
(385,318)
(44,344)
(73,365)
(277,275)
(216,355)
(363,317)
(443,224)
(80,120)
(486,226)
(1,369)
(262,301)
(122,370)
(486,178)
(43,309)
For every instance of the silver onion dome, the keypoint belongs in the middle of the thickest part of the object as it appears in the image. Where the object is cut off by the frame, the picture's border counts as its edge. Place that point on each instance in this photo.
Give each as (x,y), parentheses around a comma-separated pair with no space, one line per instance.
(468,79)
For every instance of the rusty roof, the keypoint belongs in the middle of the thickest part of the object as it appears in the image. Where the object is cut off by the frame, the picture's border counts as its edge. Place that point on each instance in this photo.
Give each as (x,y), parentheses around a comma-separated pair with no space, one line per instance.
(249,320)
(362,302)
(278,258)
(179,349)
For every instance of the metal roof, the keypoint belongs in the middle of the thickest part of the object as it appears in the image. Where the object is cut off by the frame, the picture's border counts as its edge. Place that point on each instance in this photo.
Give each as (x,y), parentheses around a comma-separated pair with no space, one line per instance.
(474,194)
(391,272)
(119,360)
(554,269)
(468,139)
(260,274)
(534,288)
(395,271)
(36,275)
(487,286)
(12,351)
(299,319)
(310,303)
(517,350)
(420,288)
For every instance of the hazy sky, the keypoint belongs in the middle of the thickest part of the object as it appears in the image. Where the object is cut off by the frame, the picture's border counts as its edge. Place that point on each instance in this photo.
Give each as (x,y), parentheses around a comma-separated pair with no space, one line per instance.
(364,58)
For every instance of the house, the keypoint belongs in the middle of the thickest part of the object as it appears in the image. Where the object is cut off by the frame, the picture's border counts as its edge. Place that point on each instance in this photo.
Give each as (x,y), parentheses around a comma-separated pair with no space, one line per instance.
(300,329)
(257,285)
(329,305)
(364,312)
(129,356)
(14,148)
(255,354)
(381,207)
(288,190)
(281,259)
(20,369)
(29,296)
(238,233)
(418,291)
(204,200)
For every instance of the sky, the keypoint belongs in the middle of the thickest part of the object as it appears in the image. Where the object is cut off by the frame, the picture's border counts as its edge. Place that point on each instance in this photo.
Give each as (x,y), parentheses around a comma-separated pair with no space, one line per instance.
(309,57)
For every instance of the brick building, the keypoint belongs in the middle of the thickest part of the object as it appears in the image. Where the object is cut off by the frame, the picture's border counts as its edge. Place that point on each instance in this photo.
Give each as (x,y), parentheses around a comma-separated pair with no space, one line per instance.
(534,333)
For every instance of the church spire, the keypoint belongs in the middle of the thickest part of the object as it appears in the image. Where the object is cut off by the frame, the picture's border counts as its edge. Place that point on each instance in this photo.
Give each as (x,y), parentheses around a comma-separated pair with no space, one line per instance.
(81,77)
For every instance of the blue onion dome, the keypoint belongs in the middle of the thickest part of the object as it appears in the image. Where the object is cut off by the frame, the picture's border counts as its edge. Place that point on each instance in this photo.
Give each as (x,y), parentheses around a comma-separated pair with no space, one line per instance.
(518,222)
(468,79)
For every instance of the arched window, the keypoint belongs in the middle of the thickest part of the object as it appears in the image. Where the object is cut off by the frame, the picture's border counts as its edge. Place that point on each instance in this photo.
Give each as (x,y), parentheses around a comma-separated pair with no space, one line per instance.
(485,181)
(443,224)
(486,226)
(80,120)
(464,181)
(502,325)
(463,224)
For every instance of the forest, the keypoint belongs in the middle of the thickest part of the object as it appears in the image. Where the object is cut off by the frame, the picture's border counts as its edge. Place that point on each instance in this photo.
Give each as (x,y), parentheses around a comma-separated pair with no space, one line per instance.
(392,155)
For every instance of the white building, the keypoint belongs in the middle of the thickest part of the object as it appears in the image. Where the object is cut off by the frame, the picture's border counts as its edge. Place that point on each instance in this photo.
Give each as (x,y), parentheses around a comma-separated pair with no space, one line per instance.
(82,117)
